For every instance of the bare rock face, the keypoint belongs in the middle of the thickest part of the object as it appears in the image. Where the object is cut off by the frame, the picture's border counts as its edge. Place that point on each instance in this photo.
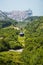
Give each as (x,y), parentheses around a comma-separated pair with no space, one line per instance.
(19,15)
(16,15)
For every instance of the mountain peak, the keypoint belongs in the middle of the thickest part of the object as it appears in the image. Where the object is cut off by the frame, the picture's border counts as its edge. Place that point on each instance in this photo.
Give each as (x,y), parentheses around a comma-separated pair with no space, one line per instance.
(20,15)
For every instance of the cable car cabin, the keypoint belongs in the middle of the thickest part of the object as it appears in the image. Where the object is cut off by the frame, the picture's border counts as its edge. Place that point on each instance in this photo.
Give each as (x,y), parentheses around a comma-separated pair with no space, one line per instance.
(21,34)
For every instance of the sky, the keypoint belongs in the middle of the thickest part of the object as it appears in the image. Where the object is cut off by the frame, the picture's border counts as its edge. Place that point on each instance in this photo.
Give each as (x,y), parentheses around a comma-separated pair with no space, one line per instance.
(35,5)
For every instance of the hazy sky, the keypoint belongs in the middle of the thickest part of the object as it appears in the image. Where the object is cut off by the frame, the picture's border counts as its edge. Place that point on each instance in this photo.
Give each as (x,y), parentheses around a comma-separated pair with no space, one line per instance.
(35,5)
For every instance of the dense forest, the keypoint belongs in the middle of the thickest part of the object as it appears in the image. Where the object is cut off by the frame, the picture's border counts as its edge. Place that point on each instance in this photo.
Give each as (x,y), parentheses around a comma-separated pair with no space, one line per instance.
(33,51)
(31,42)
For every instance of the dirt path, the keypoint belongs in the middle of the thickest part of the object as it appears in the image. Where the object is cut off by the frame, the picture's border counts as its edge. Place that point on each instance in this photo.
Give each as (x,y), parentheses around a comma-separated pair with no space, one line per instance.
(1,37)
(20,50)
(17,28)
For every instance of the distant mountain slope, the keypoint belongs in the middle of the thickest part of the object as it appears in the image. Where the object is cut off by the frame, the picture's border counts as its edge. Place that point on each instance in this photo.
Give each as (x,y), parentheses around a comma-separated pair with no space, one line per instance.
(3,16)
(32,18)
(5,20)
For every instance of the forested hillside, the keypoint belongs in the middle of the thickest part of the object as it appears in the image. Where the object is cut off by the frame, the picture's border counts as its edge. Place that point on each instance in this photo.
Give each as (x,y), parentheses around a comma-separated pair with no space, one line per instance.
(31,42)
(33,51)
(8,22)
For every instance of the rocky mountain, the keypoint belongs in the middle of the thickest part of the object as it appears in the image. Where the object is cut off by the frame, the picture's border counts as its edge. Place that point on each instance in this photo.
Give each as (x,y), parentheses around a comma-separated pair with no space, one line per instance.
(16,15)
(19,15)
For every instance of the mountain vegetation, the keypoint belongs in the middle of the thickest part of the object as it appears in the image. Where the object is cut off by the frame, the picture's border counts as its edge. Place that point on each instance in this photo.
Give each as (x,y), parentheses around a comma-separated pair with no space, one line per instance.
(33,51)
(31,42)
